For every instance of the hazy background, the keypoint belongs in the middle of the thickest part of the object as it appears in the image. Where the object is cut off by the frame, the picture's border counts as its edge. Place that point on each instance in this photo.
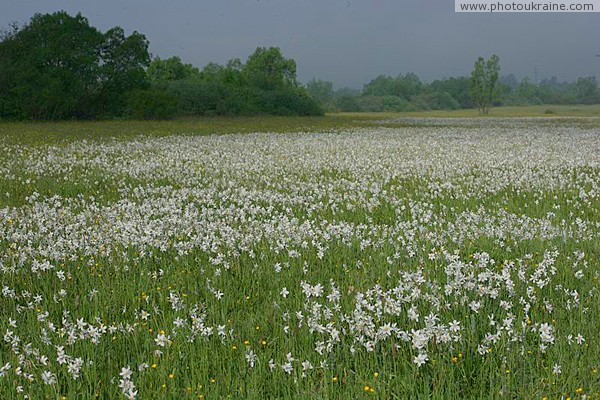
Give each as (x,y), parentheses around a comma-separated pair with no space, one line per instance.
(347,41)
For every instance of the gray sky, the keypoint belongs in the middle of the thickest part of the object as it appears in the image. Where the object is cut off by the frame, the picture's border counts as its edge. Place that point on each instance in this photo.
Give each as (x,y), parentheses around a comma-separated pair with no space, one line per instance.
(346,41)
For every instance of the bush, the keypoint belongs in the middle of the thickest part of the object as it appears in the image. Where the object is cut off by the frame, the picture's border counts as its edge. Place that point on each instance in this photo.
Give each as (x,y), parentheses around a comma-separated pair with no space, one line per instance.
(347,103)
(382,103)
(153,103)
(216,98)
(287,101)
(515,99)
(437,101)
(204,98)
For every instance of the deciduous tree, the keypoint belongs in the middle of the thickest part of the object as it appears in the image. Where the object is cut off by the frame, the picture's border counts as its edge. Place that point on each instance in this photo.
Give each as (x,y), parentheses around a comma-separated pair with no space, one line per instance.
(482,85)
(58,66)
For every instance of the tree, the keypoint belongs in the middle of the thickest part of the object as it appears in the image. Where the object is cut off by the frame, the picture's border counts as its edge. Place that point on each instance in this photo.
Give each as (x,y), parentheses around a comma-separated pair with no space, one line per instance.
(152,103)
(267,69)
(123,68)
(527,92)
(381,85)
(232,74)
(320,90)
(482,85)
(437,101)
(347,103)
(266,84)
(510,80)
(48,68)
(554,92)
(458,88)
(229,74)
(58,66)
(169,70)
(405,86)
(587,90)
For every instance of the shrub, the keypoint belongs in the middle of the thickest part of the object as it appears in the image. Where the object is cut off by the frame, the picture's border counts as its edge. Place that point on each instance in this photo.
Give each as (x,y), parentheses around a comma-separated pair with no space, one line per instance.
(153,103)
(204,98)
(347,103)
(382,103)
(437,100)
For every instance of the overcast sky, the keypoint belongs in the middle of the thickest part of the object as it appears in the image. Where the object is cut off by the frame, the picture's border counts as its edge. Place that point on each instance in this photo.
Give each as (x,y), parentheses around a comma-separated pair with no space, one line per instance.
(346,41)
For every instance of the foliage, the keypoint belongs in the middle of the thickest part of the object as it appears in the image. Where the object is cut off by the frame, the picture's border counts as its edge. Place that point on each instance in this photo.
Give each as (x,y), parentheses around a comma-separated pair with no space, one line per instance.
(437,100)
(204,98)
(482,85)
(267,69)
(347,103)
(548,91)
(456,92)
(587,90)
(265,84)
(123,68)
(320,90)
(382,103)
(152,103)
(552,91)
(286,101)
(229,74)
(403,86)
(509,80)
(529,92)
(170,69)
(405,93)
(457,87)
(49,68)
(58,66)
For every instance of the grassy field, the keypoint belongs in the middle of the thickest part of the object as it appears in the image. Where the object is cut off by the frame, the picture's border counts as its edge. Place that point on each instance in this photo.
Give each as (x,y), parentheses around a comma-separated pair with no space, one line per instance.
(339,257)
(509,111)
(44,133)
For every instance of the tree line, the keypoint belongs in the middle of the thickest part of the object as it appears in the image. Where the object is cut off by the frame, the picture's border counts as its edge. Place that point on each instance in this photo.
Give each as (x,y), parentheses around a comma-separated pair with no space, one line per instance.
(58,66)
(483,89)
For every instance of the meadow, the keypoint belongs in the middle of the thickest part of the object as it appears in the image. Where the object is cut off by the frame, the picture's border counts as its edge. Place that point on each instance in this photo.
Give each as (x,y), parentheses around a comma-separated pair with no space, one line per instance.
(377,256)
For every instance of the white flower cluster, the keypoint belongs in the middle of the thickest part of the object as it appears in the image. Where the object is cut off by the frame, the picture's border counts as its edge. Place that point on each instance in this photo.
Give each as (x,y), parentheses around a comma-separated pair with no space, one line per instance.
(417,243)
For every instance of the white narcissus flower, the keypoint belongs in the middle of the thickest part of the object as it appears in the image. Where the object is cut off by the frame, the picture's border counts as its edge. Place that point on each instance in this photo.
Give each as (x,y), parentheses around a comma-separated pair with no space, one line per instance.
(48,378)
(250,358)
(291,209)
(125,373)
(162,340)
(556,369)
(420,359)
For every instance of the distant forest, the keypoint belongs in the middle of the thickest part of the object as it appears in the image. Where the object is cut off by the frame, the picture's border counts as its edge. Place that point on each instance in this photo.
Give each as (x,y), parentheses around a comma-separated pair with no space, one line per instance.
(408,93)
(57,66)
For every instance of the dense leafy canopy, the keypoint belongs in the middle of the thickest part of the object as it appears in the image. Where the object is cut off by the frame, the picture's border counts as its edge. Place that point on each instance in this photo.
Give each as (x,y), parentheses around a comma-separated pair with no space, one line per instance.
(265,84)
(58,66)
(267,69)
(169,70)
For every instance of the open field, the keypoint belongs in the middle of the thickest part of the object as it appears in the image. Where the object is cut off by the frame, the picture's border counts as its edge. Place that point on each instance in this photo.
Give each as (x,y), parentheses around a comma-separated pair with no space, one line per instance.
(544,110)
(44,133)
(339,257)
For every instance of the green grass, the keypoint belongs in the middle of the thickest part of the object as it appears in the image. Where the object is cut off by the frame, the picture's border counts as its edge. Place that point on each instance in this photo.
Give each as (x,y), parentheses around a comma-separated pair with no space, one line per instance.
(56,132)
(64,131)
(546,110)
